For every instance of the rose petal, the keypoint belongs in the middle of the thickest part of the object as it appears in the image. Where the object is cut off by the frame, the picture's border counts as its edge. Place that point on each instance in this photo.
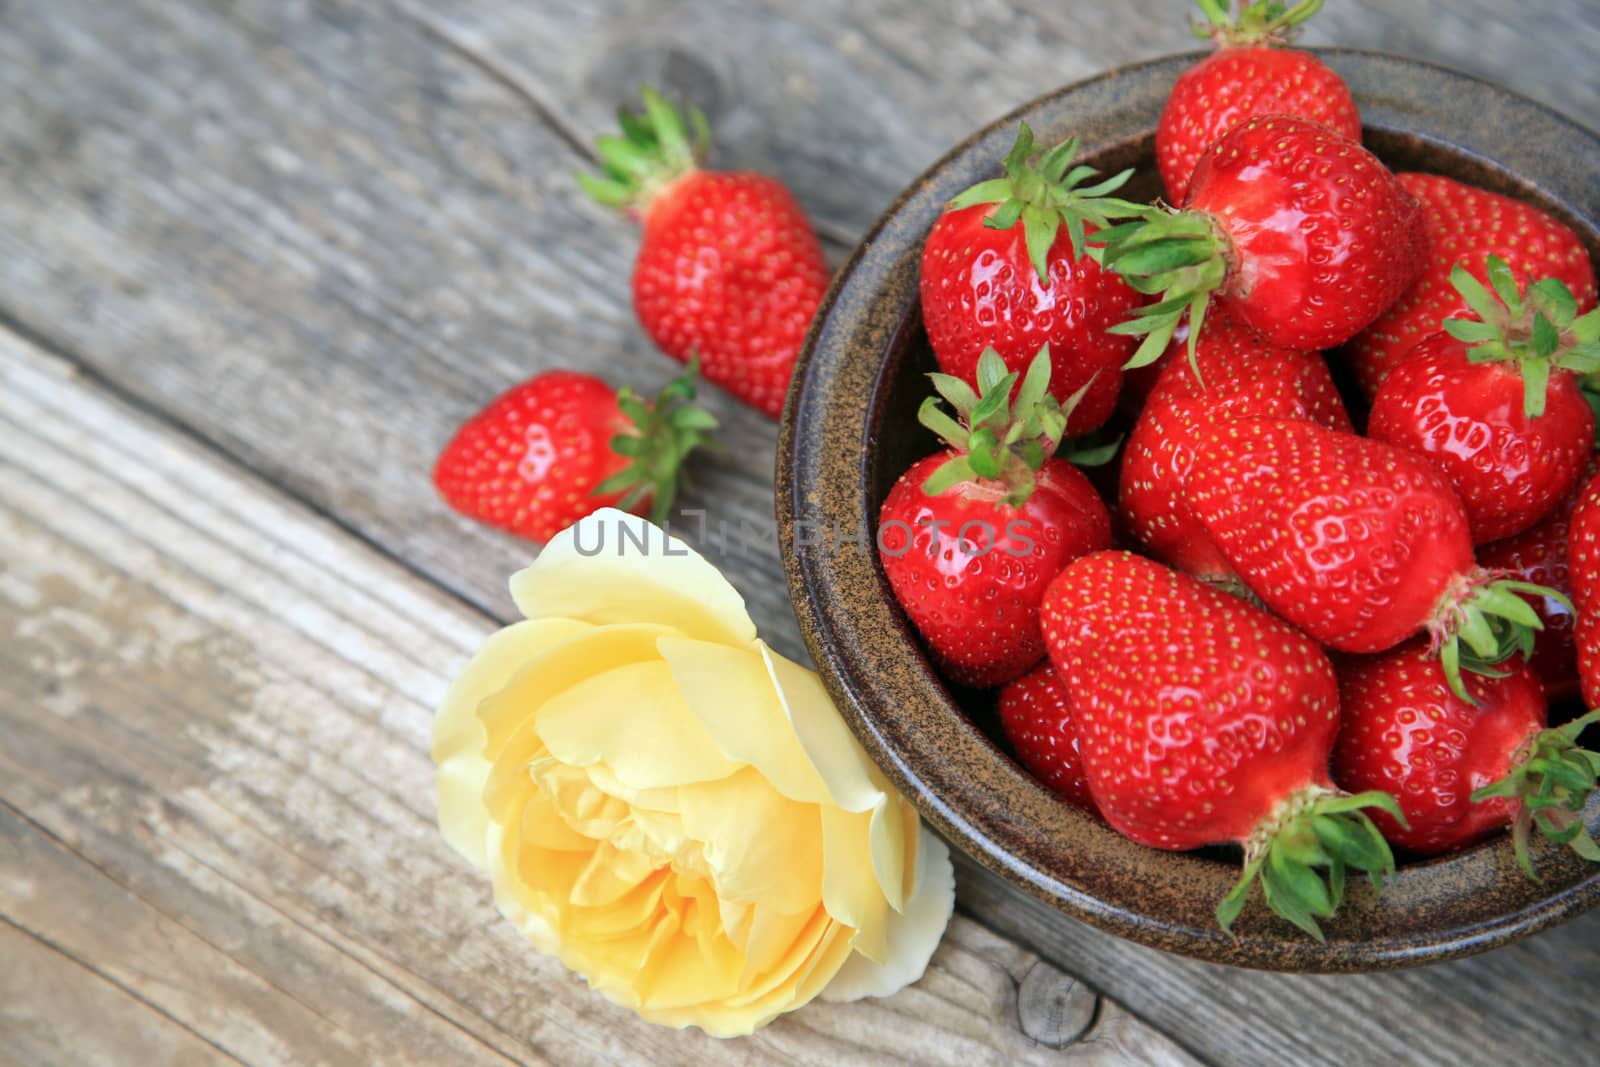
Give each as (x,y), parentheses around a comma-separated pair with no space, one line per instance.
(458,737)
(557,668)
(731,691)
(913,935)
(853,782)
(759,845)
(849,890)
(632,719)
(617,568)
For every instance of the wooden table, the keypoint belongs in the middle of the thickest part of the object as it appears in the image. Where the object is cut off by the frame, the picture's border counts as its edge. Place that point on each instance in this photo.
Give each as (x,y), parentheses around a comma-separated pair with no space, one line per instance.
(257,259)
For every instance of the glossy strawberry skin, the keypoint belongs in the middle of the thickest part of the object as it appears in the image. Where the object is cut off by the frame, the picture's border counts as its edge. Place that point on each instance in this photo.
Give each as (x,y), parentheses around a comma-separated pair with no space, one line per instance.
(1583,557)
(1036,716)
(730,269)
(1510,470)
(1405,733)
(979,290)
(1196,711)
(1353,540)
(1233,84)
(975,599)
(1466,225)
(1539,556)
(1583,572)
(1240,375)
(528,462)
(1323,238)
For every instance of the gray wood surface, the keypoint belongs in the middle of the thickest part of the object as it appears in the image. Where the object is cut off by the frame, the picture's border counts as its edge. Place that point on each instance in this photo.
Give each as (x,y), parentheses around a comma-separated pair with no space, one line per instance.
(299,242)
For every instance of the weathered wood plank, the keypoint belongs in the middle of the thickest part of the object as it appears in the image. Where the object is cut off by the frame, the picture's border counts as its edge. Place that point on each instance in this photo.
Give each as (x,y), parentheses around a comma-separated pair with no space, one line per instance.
(215,784)
(45,998)
(322,241)
(848,101)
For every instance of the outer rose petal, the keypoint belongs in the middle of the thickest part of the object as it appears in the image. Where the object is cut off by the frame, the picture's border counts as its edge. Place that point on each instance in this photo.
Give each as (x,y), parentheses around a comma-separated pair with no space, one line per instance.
(913,934)
(597,571)
(458,737)
(731,690)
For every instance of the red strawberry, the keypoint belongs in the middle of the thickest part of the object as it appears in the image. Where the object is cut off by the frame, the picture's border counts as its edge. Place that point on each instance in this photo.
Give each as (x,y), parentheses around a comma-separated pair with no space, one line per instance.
(1406,733)
(1586,640)
(1003,268)
(1239,375)
(1584,551)
(728,269)
(1358,543)
(1251,73)
(1036,717)
(1461,768)
(970,537)
(1539,556)
(1203,720)
(1583,563)
(1495,401)
(1466,225)
(548,452)
(1303,235)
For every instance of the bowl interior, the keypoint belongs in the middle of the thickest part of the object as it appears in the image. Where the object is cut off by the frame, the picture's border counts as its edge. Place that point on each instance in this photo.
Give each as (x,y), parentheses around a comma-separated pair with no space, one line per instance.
(862,379)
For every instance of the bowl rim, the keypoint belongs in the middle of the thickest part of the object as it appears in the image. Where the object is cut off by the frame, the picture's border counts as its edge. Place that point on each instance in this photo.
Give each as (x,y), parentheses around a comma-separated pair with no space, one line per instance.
(867,656)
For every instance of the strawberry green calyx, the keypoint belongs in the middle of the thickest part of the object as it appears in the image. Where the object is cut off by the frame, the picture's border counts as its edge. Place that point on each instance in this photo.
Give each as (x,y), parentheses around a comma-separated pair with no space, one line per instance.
(1265,22)
(656,147)
(1536,331)
(1049,194)
(1548,788)
(1314,830)
(1180,255)
(1480,622)
(661,438)
(997,438)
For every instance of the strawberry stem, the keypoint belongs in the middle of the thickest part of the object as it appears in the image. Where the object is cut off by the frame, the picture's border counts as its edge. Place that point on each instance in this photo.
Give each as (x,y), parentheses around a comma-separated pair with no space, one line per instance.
(1548,788)
(1537,331)
(1480,621)
(998,438)
(1180,255)
(656,147)
(1265,22)
(1047,195)
(1312,829)
(663,435)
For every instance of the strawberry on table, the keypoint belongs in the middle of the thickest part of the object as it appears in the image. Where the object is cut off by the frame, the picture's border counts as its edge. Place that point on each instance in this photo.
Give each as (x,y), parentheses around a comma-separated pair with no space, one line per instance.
(1036,716)
(728,269)
(1235,374)
(969,537)
(1465,226)
(1204,720)
(1357,542)
(1302,234)
(1495,401)
(1461,768)
(560,445)
(1252,72)
(1005,268)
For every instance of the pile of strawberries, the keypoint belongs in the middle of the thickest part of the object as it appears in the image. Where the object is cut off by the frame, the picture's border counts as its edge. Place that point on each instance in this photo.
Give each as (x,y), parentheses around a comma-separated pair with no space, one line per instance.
(1282,633)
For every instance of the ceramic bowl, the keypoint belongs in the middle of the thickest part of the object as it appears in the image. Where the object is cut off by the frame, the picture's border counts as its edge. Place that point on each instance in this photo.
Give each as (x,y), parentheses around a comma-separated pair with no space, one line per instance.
(850,429)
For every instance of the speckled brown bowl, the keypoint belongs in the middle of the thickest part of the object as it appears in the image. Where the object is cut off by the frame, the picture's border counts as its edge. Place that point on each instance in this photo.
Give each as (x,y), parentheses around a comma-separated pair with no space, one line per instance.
(850,429)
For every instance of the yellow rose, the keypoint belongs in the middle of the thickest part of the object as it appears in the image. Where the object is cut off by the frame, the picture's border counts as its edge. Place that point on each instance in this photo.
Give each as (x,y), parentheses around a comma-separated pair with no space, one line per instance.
(672,808)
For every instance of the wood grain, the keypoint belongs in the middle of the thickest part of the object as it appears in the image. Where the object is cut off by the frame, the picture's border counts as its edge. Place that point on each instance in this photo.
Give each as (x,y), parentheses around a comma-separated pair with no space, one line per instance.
(849,101)
(215,787)
(319,240)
